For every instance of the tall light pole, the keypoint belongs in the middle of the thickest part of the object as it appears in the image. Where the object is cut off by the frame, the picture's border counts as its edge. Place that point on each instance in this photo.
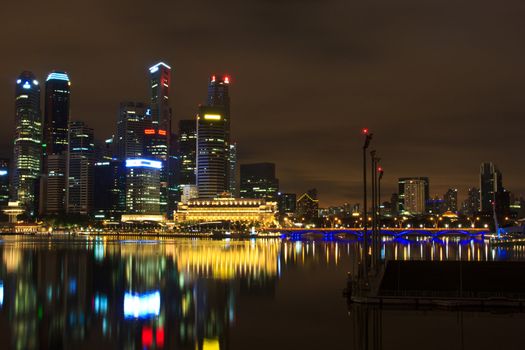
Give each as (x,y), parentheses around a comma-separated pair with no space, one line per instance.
(368,138)
(378,244)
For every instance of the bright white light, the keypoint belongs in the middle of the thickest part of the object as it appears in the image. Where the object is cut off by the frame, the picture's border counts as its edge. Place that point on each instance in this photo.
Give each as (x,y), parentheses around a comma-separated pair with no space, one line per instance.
(57,76)
(3,172)
(155,68)
(1,293)
(18,81)
(141,305)
(26,85)
(35,82)
(146,163)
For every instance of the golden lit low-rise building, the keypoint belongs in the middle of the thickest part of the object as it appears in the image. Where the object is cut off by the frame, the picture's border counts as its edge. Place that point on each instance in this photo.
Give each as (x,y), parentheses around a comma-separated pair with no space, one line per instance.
(227,209)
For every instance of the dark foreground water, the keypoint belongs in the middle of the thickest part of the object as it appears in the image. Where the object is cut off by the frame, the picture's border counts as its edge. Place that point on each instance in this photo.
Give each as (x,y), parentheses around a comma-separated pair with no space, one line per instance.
(224,294)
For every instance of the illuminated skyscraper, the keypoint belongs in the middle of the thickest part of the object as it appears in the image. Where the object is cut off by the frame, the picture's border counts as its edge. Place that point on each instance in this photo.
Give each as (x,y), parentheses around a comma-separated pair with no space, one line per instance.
(56,124)
(212,152)
(80,163)
(413,195)
(219,97)
(133,119)
(258,181)
(56,120)
(143,186)
(27,151)
(187,151)
(160,80)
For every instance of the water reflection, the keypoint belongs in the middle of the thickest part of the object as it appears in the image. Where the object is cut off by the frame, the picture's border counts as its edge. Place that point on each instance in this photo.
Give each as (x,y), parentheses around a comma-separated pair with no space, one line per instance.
(181,293)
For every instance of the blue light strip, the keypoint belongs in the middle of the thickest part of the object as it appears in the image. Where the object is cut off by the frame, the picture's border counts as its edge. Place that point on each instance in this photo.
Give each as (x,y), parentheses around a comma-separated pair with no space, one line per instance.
(57,76)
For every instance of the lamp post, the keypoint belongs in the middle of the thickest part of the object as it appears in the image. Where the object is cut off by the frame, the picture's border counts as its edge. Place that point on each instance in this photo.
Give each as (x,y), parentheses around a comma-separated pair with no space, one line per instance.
(368,138)
(378,244)
(373,171)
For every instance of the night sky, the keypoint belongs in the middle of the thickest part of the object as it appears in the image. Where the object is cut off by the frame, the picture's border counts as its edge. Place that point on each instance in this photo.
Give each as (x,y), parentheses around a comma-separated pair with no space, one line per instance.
(440,83)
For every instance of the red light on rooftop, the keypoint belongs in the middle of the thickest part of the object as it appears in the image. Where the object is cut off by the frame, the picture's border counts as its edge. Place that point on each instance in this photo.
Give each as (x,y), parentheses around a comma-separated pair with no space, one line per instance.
(162,132)
(213,78)
(365,131)
(149,131)
(226,79)
(379,169)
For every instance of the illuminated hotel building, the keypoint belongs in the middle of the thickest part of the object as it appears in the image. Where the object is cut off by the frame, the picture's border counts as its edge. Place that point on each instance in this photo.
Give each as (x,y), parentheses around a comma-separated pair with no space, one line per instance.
(143,186)
(212,152)
(219,96)
(413,195)
(80,159)
(160,80)
(27,152)
(258,181)
(255,211)
(56,123)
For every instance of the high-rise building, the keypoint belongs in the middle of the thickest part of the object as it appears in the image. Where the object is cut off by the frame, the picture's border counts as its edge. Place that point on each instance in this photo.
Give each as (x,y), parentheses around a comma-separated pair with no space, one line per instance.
(451,199)
(187,151)
(287,203)
(4,182)
(307,207)
(490,183)
(258,181)
(80,169)
(27,151)
(160,80)
(56,123)
(143,186)
(53,196)
(133,119)
(232,169)
(471,204)
(212,152)
(413,195)
(219,97)
(109,187)
(56,119)
(156,147)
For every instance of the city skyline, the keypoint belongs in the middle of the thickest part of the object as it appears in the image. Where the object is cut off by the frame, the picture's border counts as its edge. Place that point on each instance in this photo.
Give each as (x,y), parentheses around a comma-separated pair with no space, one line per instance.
(468,111)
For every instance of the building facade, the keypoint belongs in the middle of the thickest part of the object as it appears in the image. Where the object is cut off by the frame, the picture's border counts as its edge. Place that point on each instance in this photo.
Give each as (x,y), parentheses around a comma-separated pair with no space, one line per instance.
(219,97)
(451,200)
(253,211)
(307,207)
(56,126)
(133,119)
(212,151)
(27,151)
(109,186)
(80,166)
(287,203)
(258,181)
(413,195)
(143,186)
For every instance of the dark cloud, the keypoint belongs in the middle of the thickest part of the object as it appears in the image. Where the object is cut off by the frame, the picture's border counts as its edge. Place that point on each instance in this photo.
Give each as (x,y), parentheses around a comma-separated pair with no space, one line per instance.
(441,83)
